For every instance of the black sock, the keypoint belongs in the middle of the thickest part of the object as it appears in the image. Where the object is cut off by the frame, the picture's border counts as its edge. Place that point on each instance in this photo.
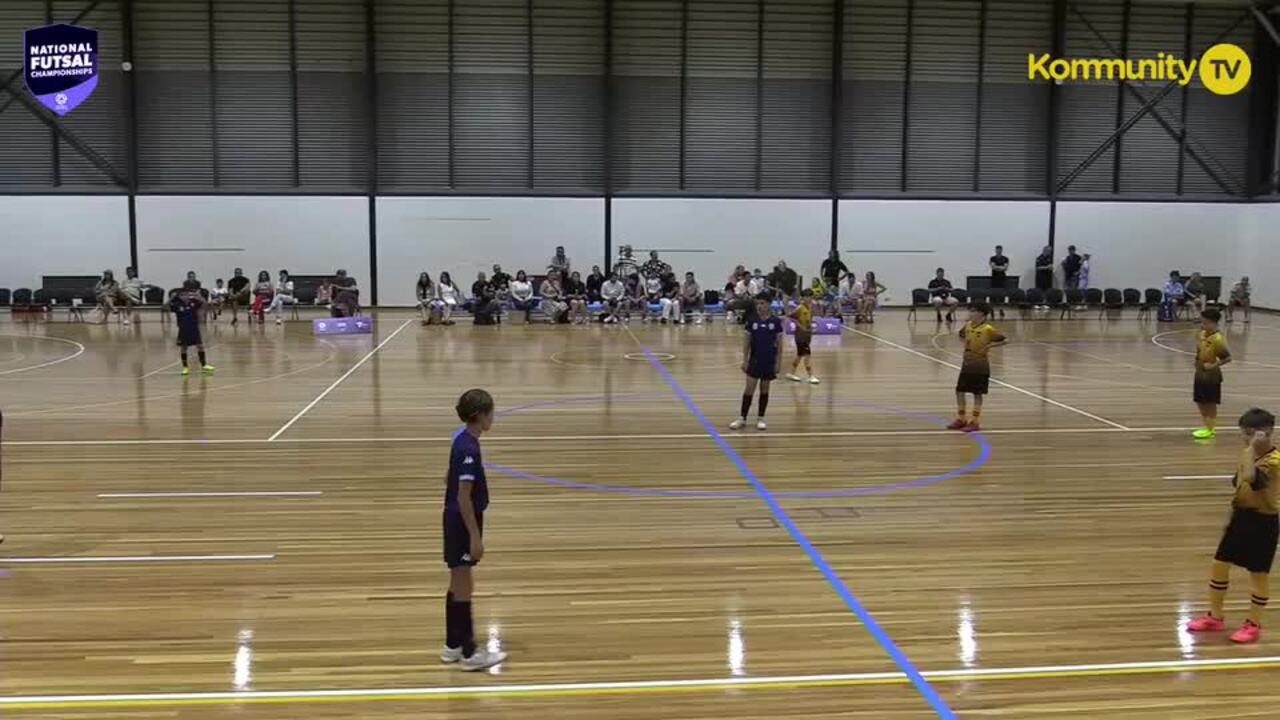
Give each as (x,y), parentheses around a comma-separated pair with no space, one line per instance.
(746,405)
(466,628)
(202,360)
(184,358)
(450,623)
(764,403)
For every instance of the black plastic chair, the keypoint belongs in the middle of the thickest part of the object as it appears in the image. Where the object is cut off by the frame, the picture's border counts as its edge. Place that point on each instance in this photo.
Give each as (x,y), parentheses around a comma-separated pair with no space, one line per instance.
(1151,298)
(998,299)
(153,296)
(961,295)
(22,299)
(1112,299)
(1072,299)
(1018,300)
(919,298)
(1055,298)
(5,296)
(979,296)
(1132,297)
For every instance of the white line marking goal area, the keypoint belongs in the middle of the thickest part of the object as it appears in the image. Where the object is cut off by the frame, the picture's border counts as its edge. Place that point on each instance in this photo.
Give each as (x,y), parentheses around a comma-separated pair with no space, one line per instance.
(262,493)
(338,382)
(1001,383)
(133,559)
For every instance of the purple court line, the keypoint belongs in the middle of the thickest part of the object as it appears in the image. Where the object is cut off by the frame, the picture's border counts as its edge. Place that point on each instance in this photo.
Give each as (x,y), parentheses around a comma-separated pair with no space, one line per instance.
(984,455)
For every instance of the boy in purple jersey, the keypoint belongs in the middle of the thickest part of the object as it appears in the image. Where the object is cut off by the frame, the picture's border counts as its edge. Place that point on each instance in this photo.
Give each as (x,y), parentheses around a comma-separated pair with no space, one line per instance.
(465,499)
(761,360)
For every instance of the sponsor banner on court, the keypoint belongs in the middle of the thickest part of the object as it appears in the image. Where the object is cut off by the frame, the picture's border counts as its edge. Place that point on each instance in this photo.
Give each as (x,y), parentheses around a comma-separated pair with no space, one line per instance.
(60,65)
(1224,69)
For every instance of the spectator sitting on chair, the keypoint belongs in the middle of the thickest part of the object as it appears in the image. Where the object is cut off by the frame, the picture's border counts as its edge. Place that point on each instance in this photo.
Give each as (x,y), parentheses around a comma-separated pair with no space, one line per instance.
(132,292)
(669,300)
(500,281)
(636,298)
(107,292)
(425,291)
(263,292)
(731,284)
(1174,289)
(575,291)
(238,293)
(1195,293)
(284,296)
(613,295)
(1071,269)
(448,296)
(999,264)
(191,277)
(1241,297)
(346,296)
(553,304)
(522,295)
(217,297)
(851,293)
(652,296)
(738,300)
(785,280)
(559,262)
(594,282)
(940,295)
(480,289)
(484,302)
(324,292)
(871,292)
(757,285)
(692,301)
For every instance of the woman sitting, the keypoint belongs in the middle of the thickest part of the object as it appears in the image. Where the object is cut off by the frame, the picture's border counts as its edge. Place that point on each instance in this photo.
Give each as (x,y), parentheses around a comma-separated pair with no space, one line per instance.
(283,296)
(692,301)
(553,304)
(669,300)
(1241,297)
(576,293)
(324,292)
(425,291)
(132,293)
(346,296)
(263,292)
(107,293)
(521,291)
(448,297)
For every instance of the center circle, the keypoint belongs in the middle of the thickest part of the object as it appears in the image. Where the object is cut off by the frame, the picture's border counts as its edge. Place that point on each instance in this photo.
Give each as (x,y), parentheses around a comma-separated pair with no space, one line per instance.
(978,439)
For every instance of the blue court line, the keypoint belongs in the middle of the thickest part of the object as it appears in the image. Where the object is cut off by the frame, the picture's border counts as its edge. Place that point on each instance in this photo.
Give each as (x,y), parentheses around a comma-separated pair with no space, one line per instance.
(899,658)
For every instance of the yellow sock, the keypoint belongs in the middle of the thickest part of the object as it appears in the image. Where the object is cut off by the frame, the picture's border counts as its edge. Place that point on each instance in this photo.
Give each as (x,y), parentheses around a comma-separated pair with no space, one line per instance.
(1261,588)
(977,412)
(1219,581)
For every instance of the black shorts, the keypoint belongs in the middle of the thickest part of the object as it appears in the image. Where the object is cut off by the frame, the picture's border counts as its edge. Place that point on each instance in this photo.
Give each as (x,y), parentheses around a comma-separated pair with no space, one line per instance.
(803,344)
(763,369)
(457,541)
(188,336)
(1249,541)
(1207,393)
(976,383)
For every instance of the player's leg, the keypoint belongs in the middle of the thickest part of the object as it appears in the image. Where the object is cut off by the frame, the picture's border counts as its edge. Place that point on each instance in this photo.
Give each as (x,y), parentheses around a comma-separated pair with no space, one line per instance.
(204,360)
(1208,416)
(762,406)
(1219,582)
(962,413)
(975,417)
(186,369)
(748,393)
(1260,589)
(1248,309)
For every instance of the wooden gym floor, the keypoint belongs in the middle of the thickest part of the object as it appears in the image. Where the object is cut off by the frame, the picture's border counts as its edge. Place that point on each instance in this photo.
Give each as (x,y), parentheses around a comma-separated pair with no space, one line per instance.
(265,543)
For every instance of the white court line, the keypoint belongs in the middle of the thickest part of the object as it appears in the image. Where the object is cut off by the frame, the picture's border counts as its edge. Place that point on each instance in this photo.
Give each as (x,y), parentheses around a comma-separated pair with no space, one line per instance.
(1197,477)
(162,368)
(1155,340)
(131,559)
(729,683)
(1001,383)
(338,382)
(79,351)
(581,438)
(268,493)
(1091,356)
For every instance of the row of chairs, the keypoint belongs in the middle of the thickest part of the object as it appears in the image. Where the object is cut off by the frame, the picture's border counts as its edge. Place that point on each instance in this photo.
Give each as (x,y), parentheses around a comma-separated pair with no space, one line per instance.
(1065,302)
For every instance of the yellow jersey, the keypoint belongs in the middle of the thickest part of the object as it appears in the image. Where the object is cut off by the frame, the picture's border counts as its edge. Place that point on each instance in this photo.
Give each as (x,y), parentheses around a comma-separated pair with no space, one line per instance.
(978,340)
(1210,347)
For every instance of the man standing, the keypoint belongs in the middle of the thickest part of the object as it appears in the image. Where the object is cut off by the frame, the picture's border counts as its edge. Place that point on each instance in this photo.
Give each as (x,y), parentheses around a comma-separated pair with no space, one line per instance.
(626,265)
(655,268)
(785,280)
(999,264)
(1044,269)
(559,262)
(1071,269)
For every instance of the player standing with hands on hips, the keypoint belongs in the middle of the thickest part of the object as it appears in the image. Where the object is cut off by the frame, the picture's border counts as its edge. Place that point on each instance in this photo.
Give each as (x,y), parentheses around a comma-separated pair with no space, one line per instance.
(465,499)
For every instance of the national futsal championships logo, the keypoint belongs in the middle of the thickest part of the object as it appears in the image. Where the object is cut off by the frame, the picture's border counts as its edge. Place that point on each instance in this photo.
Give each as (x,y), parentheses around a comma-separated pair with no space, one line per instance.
(60,65)
(1224,69)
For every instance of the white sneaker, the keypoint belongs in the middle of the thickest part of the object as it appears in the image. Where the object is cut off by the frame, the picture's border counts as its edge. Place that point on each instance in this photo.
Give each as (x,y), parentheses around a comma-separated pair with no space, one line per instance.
(126,323)
(761,424)
(793,377)
(814,380)
(482,659)
(279,321)
(450,655)
(738,424)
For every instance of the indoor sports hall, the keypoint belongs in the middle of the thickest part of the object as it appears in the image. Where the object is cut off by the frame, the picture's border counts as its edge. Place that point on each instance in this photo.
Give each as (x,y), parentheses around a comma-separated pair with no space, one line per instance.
(229,463)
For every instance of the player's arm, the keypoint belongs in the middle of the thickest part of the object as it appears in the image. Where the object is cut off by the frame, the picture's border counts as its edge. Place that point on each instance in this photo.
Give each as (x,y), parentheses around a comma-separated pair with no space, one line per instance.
(998,339)
(1224,354)
(746,351)
(777,354)
(466,485)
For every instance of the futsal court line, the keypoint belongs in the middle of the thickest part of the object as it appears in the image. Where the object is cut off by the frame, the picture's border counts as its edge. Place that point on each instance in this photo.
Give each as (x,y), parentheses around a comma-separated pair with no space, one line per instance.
(259,493)
(79,351)
(131,559)
(338,382)
(489,439)
(175,363)
(780,515)
(1196,477)
(1001,383)
(631,687)
(1155,340)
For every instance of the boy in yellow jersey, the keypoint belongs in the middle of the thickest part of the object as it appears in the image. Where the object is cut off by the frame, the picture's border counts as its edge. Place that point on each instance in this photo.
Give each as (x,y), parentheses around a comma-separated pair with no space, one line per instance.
(975,372)
(803,316)
(1211,355)
(1249,541)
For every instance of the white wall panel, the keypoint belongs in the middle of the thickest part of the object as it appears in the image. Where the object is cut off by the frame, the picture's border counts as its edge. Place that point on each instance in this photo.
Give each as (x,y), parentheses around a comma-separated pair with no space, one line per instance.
(61,235)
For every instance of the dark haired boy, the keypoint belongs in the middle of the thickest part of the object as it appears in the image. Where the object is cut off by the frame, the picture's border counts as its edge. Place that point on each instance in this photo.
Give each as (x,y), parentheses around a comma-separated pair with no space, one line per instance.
(1211,355)
(979,337)
(465,499)
(1249,540)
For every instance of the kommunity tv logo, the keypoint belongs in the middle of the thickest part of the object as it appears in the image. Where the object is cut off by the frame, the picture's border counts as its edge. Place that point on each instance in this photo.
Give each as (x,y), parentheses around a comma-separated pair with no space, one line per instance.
(1224,69)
